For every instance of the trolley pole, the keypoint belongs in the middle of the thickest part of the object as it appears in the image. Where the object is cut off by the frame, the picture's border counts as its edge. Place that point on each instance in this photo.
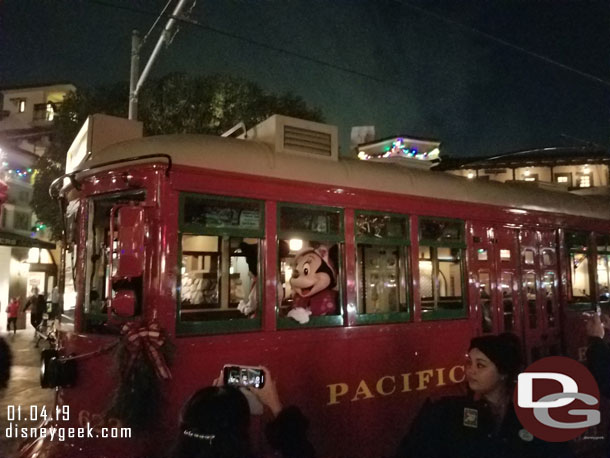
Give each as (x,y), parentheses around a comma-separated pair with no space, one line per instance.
(136,81)
(134,75)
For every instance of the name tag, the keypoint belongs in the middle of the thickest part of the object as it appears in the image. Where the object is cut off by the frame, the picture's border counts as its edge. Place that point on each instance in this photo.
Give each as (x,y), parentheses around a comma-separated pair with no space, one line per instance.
(471,418)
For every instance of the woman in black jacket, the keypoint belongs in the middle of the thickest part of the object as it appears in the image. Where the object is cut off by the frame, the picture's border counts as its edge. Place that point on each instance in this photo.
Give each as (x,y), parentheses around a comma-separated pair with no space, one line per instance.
(215,423)
(482,424)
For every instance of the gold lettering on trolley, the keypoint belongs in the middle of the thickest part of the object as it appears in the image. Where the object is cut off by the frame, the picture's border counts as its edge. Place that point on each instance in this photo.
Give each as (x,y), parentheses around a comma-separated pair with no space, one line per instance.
(380,385)
(440,375)
(363,390)
(386,384)
(336,390)
(406,382)
(452,374)
(424,379)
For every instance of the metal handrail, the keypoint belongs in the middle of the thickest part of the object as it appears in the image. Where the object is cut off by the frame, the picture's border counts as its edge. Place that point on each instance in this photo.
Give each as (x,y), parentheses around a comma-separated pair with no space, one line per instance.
(72,175)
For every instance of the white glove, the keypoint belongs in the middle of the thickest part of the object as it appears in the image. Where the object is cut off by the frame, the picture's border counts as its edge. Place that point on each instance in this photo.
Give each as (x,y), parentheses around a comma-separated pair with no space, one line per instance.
(300,314)
(249,307)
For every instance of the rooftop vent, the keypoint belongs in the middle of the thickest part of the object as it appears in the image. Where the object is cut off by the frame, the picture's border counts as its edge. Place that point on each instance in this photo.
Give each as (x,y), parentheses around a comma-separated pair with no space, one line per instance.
(297,136)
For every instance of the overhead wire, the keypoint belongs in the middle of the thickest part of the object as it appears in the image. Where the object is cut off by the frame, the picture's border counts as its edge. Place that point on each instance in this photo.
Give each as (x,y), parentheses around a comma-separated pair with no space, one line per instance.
(345,69)
(504,42)
(262,45)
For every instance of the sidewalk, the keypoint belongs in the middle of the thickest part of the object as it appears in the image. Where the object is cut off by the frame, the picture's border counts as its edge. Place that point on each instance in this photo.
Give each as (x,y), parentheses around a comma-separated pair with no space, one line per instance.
(24,386)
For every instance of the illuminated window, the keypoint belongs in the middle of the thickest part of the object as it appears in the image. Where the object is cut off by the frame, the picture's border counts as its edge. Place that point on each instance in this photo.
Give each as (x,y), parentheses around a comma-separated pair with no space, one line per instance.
(382,242)
(528,256)
(441,281)
(19,102)
(530,177)
(310,246)
(585,181)
(484,282)
(603,270)
(578,245)
(564,178)
(220,251)
(50,112)
(506,286)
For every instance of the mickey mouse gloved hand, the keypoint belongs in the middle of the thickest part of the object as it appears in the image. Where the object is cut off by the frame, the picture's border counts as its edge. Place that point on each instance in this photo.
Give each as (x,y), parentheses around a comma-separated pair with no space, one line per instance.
(300,314)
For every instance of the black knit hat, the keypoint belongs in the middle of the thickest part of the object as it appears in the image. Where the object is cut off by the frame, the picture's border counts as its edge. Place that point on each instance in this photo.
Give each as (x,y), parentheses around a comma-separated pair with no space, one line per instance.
(503,350)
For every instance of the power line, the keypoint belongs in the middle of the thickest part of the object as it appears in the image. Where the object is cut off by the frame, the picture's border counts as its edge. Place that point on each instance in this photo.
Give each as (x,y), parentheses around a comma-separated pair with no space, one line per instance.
(357,72)
(261,44)
(505,43)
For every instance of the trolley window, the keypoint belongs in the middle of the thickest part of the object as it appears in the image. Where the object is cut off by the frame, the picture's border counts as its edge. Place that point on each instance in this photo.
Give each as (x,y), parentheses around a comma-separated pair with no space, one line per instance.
(578,248)
(441,268)
(382,242)
(219,264)
(310,267)
(98,286)
(603,268)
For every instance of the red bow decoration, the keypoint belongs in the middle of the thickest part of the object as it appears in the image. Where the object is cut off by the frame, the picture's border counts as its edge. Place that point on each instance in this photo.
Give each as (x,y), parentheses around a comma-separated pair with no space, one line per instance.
(146,337)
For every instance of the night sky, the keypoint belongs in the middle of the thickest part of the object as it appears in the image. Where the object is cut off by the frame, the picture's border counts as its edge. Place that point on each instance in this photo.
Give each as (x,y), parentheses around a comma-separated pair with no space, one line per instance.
(430,73)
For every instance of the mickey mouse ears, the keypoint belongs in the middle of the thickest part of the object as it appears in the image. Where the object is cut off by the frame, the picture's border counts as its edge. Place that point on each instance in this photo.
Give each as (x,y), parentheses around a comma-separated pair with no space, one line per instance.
(322,251)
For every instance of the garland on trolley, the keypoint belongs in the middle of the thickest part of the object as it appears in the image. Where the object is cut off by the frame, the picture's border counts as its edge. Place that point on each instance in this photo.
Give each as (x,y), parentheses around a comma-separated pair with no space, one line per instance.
(142,358)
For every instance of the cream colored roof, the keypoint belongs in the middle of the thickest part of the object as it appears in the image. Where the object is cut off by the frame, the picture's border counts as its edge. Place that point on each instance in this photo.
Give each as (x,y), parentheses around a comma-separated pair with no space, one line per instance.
(254,158)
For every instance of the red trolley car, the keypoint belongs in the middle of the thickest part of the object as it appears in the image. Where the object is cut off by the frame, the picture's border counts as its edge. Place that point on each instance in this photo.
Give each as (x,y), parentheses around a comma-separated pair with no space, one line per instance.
(181,231)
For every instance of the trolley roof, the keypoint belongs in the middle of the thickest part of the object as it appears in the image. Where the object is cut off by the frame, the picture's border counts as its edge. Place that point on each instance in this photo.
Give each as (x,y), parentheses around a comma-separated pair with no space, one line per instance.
(256,158)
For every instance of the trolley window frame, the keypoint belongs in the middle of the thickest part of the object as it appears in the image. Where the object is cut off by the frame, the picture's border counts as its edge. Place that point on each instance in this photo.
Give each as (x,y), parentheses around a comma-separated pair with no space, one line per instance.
(584,305)
(403,244)
(339,239)
(440,313)
(185,328)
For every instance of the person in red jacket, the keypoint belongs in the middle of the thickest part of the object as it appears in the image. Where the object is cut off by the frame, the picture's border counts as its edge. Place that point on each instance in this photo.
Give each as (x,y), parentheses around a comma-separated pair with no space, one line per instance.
(13,312)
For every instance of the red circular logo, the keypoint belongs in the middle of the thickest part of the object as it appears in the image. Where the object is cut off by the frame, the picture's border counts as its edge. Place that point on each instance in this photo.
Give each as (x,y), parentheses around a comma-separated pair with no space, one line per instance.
(557,399)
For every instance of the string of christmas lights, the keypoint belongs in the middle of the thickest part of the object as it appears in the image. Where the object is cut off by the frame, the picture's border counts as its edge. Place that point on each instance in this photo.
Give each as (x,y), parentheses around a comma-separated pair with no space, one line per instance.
(398,148)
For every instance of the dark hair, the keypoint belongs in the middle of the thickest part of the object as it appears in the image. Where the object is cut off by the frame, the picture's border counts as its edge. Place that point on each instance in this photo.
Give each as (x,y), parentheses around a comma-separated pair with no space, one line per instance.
(214,423)
(6,361)
(504,351)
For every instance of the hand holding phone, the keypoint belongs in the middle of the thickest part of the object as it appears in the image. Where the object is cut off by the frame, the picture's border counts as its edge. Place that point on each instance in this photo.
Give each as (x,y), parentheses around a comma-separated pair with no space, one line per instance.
(246,376)
(268,394)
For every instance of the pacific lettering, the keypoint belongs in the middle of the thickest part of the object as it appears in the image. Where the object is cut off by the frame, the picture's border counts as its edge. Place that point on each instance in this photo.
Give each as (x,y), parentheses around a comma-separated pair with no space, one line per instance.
(424,378)
(380,385)
(440,375)
(452,374)
(363,390)
(388,385)
(336,390)
(406,382)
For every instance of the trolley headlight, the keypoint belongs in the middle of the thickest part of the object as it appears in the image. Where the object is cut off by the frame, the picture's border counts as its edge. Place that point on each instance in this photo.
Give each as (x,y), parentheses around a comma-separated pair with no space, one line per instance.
(56,372)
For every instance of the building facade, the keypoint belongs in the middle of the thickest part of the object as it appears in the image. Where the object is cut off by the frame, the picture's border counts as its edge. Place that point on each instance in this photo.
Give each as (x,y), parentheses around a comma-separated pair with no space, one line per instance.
(26,126)
(581,170)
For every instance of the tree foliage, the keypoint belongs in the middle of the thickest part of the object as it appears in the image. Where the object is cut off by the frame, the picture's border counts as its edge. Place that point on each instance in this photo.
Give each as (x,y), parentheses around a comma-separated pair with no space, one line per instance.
(177,103)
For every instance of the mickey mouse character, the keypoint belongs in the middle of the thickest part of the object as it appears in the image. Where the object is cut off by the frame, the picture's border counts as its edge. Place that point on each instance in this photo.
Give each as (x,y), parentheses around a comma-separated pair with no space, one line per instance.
(313,280)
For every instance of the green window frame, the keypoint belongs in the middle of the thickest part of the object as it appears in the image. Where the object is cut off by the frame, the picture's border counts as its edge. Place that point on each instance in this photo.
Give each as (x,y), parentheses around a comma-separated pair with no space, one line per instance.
(603,254)
(371,233)
(225,227)
(443,240)
(335,235)
(578,244)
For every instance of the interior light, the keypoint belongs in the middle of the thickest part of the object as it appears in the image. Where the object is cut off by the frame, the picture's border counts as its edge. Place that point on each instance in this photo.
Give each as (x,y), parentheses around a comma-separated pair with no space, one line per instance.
(295,244)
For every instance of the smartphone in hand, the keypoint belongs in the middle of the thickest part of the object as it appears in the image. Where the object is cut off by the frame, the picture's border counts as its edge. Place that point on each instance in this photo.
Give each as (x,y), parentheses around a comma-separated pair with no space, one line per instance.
(245,376)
